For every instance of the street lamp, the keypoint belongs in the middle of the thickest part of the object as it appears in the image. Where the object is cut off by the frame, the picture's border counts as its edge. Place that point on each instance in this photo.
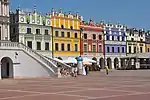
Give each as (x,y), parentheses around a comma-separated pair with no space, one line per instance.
(81,31)
(104,48)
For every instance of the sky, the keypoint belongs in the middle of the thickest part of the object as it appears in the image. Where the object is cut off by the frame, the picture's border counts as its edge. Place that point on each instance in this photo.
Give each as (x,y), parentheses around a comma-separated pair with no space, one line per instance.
(133,13)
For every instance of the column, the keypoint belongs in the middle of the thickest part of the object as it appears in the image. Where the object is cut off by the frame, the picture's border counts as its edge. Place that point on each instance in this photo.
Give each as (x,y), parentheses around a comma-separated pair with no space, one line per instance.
(2,32)
(119,63)
(112,64)
(0,6)
(7,9)
(34,43)
(8,30)
(3,9)
(42,43)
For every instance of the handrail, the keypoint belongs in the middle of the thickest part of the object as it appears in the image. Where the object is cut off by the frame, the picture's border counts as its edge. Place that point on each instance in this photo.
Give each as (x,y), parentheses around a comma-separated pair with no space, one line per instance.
(52,67)
(58,62)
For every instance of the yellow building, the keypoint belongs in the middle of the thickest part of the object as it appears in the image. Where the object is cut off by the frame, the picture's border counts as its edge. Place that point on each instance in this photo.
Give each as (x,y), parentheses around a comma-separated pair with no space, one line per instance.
(66,34)
(135,41)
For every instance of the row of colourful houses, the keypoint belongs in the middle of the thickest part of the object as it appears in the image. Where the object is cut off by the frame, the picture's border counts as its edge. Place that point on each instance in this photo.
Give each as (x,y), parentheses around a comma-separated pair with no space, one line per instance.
(64,35)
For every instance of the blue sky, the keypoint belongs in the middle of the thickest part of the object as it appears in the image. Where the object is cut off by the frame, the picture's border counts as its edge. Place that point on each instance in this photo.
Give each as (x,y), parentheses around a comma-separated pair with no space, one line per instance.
(134,13)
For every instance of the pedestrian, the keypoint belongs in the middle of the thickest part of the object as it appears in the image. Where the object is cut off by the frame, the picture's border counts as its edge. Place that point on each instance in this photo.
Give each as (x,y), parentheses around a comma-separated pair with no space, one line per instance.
(75,71)
(86,69)
(107,69)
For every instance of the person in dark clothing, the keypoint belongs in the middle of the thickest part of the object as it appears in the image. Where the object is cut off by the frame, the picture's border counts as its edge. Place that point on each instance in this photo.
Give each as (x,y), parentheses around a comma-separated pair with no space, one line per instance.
(86,70)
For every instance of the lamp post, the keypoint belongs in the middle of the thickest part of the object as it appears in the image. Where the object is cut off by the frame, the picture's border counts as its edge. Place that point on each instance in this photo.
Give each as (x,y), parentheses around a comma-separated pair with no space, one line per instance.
(104,49)
(81,30)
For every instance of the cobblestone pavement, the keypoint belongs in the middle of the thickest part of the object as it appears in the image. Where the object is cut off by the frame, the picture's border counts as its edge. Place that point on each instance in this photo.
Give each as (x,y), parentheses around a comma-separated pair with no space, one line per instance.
(118,85)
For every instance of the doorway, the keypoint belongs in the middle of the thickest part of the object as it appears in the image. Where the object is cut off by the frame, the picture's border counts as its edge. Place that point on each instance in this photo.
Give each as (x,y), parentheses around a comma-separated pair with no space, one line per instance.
(6,68)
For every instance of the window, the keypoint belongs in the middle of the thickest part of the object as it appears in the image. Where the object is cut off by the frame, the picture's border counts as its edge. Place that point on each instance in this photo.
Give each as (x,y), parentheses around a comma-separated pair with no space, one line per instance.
(148,49)
(38,45)
(68,34)
(56,34)
(100,37)
(85,48)
(113,50)
(132,39)
(14,30)
(141,49)
(108,49)
(134,49)
(62,26)
(76,35)
(107,37)
(85,36)
(123,38)
(62,47)
(62,34)
(37,31)
(113,38)
(118,38)
(100,48)
(76,47)
(46,32)
(29,43)
(56,47)
(129,49)
(28,30)
(94,36)
(118,49)
(94,48)
(141,40)
(123,50)
(68,47)
(46,46)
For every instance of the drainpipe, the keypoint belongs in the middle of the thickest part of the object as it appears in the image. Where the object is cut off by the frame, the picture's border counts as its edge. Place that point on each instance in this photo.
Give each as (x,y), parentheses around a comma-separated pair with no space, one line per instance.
(52,42)
(81,30)
(104,49)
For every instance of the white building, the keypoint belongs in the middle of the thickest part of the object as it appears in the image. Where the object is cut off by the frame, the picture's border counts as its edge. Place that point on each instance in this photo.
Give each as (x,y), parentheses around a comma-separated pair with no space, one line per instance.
(4,20)
(33,30)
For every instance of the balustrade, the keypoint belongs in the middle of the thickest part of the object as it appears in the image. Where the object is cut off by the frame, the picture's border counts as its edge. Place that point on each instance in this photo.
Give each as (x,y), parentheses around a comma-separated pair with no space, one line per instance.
(16,45)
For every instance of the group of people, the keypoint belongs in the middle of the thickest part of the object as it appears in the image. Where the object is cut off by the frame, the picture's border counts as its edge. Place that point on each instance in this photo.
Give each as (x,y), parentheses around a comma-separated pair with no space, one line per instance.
(65,71)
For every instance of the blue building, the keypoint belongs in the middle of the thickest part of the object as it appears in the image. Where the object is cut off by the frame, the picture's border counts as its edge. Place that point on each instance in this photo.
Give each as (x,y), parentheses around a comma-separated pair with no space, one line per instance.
(115,44)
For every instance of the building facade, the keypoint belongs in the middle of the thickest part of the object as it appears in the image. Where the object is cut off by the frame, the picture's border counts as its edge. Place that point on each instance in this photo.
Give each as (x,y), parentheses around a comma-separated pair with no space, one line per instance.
(4,20)
(92,40)
(66,34)
(135,41)
(115,44)
(32,29)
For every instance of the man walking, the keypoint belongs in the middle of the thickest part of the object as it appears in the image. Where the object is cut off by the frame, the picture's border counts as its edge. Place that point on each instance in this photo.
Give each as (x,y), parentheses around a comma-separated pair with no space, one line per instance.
(107,69)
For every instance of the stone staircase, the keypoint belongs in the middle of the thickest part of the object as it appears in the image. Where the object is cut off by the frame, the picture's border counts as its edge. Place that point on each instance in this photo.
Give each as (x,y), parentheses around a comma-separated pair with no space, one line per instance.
(48,64)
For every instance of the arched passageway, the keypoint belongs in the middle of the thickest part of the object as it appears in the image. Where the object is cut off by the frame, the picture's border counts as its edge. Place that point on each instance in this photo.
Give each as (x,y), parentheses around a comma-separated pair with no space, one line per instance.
(101,62)
(116,63)
(109,63)
(7,68)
